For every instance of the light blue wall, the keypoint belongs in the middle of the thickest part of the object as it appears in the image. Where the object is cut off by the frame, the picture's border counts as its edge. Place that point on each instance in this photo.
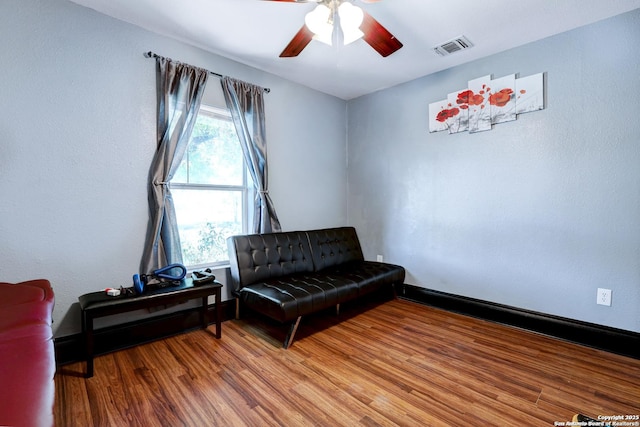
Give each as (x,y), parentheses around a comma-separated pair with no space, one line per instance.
(77,133)
(537,213)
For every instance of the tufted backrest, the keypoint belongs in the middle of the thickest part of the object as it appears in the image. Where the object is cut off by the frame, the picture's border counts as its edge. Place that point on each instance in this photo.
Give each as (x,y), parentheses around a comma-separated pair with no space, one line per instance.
(258,257)
(334,246)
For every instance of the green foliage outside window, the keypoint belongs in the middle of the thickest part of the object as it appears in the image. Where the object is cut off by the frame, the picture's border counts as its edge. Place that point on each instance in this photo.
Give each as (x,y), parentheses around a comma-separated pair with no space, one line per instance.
(211,243)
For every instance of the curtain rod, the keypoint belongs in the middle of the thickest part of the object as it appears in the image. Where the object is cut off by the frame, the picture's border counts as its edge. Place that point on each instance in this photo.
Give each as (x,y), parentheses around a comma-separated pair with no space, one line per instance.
(154,55)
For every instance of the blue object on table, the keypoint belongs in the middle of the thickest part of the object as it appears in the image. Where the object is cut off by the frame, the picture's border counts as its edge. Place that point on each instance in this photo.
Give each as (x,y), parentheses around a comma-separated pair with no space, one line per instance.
(140,281)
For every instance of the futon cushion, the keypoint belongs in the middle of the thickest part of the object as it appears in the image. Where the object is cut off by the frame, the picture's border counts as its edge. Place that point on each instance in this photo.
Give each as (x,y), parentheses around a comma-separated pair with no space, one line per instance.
(289,297)
(259,257)
(334,246)
(368,275)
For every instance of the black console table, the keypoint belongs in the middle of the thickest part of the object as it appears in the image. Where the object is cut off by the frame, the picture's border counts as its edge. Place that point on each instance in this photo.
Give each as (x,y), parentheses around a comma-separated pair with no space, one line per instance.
(99,304)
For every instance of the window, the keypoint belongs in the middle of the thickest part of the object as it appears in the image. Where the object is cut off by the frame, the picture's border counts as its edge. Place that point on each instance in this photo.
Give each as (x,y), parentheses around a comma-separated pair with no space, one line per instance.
(211,190)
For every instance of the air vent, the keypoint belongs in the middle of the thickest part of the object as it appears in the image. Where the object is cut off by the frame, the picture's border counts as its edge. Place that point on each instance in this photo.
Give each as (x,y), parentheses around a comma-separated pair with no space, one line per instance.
(453,46)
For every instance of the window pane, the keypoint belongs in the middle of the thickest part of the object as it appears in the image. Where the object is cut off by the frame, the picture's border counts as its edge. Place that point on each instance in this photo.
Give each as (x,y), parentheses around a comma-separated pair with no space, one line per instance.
(214,155)
(205,219)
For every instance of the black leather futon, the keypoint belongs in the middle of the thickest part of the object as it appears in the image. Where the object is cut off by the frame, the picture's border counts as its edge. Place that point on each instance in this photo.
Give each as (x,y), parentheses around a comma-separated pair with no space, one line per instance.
(292,274)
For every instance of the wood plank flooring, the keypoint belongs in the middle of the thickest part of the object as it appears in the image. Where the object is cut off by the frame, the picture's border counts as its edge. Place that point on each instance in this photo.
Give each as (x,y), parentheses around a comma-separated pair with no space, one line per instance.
(395,363)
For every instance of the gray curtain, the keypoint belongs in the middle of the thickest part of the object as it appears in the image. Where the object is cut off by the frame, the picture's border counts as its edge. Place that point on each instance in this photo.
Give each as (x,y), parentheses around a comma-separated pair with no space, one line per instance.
(247,110)
(179,90)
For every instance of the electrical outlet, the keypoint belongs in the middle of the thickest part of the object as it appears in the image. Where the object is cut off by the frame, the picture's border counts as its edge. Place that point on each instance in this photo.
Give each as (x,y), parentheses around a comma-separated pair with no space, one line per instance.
(604,297)
(380,258)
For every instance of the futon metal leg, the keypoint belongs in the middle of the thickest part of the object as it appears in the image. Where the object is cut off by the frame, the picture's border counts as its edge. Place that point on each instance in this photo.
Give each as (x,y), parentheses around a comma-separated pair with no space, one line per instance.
(237,308)
(294,327)
(337,309)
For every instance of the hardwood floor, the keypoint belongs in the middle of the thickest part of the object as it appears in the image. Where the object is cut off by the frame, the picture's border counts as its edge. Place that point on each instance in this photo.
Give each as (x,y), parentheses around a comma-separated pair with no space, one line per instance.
(396,363)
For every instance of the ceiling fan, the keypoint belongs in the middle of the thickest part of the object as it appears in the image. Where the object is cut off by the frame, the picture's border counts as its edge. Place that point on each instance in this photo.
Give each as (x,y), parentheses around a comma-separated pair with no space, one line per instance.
(355,23)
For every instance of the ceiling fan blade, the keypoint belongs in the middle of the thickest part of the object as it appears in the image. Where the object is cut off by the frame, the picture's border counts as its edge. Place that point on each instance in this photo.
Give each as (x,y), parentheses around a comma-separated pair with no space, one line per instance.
(378,37)
(297,43)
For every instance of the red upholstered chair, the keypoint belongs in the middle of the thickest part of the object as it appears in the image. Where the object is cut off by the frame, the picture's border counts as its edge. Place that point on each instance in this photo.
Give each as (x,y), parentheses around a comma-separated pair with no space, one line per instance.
(27,358)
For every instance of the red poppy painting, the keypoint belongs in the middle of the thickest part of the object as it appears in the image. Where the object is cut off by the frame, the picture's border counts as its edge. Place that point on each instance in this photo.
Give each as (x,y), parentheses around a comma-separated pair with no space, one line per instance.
(446,116)
(502,99)
(529,94)
(479,110)
(486,102)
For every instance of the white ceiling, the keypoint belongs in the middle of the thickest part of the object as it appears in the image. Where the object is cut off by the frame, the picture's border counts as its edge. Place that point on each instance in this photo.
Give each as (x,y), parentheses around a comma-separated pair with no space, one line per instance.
(254,32)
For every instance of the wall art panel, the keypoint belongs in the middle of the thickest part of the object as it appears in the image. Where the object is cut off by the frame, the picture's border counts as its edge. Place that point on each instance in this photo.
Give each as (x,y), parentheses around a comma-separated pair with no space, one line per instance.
(486,102)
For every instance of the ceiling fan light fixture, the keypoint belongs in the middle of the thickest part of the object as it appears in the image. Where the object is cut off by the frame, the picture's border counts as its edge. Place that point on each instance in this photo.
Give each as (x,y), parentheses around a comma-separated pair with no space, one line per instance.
(355,23)
(350,20)
(319,22)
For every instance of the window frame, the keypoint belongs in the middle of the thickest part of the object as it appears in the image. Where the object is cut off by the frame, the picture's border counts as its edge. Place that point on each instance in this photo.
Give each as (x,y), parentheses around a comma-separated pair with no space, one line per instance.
(246,189)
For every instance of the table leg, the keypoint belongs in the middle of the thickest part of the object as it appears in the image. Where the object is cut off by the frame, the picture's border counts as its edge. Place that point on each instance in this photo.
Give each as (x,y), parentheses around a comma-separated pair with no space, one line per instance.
(204,318)
(87,329)
(218,314)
